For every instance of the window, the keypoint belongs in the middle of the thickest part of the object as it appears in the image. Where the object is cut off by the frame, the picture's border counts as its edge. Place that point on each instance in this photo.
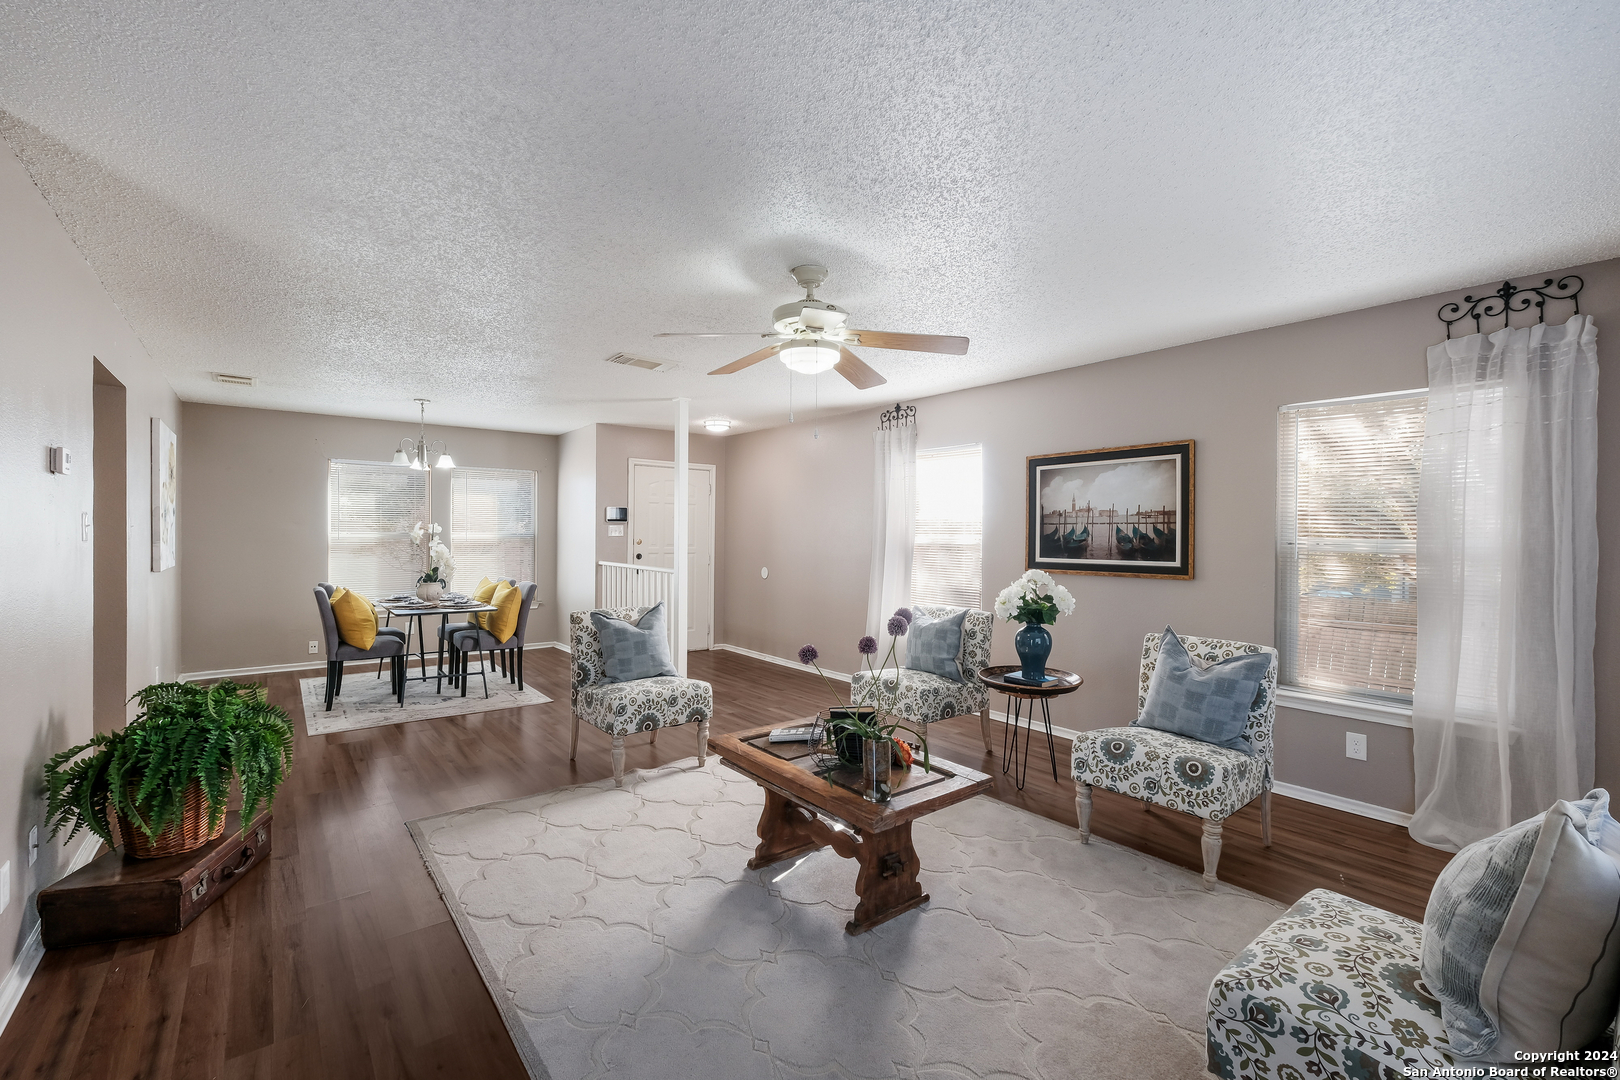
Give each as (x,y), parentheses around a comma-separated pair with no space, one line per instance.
(492,524)
(370,508)
(946,558)
(1347,496)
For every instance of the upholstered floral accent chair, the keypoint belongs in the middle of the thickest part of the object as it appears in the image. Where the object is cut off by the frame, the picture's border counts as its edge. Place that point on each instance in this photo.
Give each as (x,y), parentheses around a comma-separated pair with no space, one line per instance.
(622,708)
(1332,990)
(1178,773)
(925,697)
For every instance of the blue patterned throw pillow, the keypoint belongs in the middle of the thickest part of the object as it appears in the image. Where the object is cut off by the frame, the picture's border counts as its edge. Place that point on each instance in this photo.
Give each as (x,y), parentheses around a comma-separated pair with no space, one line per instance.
(933,644)
(631,651)
(1210,703)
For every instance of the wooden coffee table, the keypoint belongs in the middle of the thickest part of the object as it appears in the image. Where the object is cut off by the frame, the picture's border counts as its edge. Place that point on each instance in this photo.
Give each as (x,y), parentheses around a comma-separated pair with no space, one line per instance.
(879,837)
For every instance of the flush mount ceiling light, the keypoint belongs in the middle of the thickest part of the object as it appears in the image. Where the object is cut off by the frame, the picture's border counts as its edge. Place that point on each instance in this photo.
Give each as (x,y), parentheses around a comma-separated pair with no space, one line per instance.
(816,338)
(717,425)
(414,452)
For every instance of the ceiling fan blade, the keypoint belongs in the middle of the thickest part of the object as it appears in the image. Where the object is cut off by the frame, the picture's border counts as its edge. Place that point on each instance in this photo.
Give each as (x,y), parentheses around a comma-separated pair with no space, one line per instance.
(855,370)
(738,333)
(940,343)
(748,361)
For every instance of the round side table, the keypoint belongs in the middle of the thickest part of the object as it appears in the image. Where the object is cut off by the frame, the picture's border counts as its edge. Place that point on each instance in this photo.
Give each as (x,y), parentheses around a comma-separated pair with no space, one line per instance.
(1063,682)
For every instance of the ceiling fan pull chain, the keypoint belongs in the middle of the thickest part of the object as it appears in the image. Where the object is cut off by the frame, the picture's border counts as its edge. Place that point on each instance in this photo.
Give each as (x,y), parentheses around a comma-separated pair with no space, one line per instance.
(790,395)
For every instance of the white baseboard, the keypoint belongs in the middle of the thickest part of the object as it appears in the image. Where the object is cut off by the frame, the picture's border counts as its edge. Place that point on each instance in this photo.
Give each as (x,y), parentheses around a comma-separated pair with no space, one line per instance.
(15,983)
(1339,802)
(794,664)
(270,669)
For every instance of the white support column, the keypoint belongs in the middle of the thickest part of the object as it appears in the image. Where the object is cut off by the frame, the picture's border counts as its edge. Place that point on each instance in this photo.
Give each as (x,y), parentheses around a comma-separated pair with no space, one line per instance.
(683,426)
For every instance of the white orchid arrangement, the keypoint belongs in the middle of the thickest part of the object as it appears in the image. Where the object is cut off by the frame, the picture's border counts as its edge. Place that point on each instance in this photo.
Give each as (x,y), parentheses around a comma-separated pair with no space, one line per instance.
(1034,598)
(436,558)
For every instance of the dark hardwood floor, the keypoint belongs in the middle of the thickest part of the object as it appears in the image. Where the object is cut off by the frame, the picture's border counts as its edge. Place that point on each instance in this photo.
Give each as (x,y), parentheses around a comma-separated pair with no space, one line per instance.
(337,958)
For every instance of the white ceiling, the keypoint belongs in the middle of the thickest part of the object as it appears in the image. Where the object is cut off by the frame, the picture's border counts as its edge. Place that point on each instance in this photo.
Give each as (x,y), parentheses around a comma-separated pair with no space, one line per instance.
(363,203)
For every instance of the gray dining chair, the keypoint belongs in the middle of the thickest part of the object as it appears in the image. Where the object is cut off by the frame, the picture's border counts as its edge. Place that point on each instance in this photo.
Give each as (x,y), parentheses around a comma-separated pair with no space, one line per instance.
(389,645)
(391,630)
(475,639)
(448,631)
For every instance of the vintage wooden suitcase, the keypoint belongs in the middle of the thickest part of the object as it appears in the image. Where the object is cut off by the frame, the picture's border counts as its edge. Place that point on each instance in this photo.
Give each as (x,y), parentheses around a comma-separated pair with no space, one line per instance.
(117,897)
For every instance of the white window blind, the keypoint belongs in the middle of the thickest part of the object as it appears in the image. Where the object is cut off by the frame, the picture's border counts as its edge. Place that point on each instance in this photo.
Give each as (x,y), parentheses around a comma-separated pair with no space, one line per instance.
(492,524)
(947,560)
(1347,490)
(370,510)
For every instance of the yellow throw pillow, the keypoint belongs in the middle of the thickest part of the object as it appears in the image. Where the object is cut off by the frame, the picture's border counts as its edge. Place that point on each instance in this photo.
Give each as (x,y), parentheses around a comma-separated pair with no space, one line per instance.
(503,620)
(356,618)
(482,595)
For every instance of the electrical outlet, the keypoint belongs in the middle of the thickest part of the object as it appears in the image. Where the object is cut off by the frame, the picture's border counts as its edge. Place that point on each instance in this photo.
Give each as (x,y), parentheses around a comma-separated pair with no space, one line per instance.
(314,647)
(5,885)
(1355,745)
(33,845)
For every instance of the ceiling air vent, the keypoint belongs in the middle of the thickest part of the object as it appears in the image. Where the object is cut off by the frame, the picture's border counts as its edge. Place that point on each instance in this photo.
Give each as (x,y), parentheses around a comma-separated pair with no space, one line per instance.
(630,360)
(234,380)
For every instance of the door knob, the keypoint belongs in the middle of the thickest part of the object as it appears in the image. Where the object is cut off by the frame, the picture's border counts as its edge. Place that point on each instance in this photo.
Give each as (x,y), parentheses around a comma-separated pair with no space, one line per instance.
(638,554)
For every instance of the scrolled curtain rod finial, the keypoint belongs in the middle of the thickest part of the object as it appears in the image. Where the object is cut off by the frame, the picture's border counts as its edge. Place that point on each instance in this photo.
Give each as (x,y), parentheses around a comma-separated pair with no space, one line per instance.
(899,416)
(1510,298)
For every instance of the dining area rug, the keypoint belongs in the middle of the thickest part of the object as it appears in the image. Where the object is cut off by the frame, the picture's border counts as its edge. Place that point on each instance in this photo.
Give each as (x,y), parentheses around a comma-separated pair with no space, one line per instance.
(368,702)
(621,933)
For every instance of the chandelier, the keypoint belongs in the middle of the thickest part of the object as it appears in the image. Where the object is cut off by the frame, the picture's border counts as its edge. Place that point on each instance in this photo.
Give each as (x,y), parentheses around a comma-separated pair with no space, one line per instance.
(414,452)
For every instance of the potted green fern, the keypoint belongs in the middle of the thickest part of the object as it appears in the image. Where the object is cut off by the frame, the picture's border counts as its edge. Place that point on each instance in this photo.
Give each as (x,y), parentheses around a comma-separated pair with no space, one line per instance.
(166,777)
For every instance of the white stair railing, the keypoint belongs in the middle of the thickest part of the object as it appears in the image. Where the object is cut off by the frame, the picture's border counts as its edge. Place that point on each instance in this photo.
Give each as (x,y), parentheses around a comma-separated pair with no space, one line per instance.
(626,585)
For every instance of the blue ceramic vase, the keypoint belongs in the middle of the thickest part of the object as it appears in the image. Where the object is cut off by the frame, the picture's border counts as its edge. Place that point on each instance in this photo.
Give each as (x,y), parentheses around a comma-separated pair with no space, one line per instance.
(1034,645)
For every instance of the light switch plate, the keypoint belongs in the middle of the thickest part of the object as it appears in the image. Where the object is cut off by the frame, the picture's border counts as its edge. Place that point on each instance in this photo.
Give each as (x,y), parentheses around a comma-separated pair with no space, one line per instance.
(1355,745)
(5,885)
(615,530)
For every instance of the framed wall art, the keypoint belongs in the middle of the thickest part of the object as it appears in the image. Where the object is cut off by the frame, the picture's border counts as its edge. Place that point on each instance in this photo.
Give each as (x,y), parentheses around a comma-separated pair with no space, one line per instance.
(165,495)
(1126,511)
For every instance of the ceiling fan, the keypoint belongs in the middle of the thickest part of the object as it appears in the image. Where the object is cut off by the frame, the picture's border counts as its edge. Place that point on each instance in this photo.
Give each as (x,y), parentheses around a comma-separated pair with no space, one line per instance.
(814,337)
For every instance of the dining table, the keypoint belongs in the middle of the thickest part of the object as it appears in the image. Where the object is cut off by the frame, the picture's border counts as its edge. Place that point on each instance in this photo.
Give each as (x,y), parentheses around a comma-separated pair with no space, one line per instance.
(413,611)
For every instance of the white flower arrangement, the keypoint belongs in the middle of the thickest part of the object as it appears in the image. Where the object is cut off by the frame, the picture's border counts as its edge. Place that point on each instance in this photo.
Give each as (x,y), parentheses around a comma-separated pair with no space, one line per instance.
(438,563)
(1034,598)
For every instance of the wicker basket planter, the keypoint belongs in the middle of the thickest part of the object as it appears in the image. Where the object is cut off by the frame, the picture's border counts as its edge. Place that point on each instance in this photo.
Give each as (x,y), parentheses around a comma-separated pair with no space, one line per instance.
(189,834)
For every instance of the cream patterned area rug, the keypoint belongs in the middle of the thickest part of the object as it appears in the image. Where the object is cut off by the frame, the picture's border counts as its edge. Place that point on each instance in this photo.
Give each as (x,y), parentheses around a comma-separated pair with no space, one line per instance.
(621,934)
(367,701)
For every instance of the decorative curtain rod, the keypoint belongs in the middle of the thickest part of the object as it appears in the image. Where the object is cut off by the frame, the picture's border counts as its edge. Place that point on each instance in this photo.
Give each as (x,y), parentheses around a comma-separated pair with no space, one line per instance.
(1510,298)
(899,416)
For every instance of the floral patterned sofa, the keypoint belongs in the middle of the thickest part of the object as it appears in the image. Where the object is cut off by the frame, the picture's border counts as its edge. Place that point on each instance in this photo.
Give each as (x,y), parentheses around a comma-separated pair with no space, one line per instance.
(1330,991)
(924,697)
(620,709)
(1178,773)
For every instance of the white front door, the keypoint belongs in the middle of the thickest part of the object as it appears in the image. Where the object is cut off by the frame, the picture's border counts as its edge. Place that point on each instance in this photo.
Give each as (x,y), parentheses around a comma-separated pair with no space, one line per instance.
(652,536)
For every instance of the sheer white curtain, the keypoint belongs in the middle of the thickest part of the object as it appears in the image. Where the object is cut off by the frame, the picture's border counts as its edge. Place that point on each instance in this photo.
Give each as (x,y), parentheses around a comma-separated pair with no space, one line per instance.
(894,515)
(1507,555)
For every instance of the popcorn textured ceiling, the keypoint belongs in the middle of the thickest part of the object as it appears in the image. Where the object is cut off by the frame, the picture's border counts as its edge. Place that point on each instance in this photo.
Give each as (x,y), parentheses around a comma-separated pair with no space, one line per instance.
(364,203)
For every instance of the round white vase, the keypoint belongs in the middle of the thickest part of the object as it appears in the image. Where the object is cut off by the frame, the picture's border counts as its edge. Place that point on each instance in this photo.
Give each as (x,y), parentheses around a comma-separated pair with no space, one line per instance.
(430,591)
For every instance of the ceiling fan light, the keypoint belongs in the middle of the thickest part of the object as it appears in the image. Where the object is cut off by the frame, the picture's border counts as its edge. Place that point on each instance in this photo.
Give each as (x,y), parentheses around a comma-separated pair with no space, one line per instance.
(809,357)
(717,425)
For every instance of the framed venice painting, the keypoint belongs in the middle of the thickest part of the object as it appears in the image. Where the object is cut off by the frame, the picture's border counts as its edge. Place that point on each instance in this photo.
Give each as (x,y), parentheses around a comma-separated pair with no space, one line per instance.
(1126,511)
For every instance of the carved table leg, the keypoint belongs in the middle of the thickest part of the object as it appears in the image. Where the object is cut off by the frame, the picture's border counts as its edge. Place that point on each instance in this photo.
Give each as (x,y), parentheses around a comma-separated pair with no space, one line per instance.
(887,882)
(783,832)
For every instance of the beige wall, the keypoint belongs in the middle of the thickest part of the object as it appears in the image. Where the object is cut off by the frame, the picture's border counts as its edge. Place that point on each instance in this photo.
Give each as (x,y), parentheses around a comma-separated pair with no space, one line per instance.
(577,513)
(595,474)
(802,506)
(615,446)
(256,543)
(55,321)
